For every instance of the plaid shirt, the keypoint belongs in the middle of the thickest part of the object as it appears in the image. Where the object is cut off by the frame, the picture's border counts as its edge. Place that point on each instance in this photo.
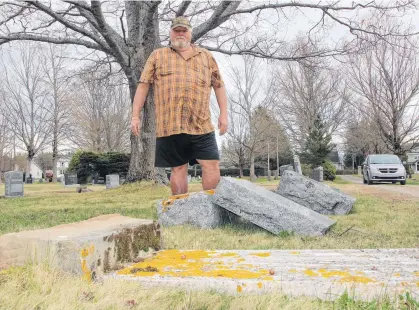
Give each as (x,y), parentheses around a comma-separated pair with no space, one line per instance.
(182,90)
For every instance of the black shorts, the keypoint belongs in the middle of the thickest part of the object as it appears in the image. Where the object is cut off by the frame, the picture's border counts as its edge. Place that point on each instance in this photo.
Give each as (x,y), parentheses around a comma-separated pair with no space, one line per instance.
(177,150)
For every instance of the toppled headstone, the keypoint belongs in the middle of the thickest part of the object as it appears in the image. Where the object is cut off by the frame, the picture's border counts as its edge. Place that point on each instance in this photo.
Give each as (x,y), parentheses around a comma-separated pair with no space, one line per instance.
(269,210)
(314,195)
(112,181)
(13,182)
(88,248)
(285,167)
(196,209)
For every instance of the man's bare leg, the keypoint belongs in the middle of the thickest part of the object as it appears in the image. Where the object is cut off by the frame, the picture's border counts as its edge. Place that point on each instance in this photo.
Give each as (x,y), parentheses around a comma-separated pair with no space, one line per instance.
(179,180)
(210,173)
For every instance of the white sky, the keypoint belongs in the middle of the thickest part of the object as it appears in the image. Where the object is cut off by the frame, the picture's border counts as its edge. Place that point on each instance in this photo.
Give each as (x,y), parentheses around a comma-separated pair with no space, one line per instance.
(293,23)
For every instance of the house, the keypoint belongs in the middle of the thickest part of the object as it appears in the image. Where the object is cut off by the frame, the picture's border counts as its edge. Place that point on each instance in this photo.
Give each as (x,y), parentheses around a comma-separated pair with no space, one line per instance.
(36,171)
(62,164)
(413,159)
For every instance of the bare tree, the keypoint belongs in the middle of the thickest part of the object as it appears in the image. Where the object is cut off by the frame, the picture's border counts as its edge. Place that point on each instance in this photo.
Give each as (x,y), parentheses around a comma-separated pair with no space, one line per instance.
(101,114)
(307,90)
(24,103)
(251,121)
(58,100)
(385,79)
(5,140)
(219,27)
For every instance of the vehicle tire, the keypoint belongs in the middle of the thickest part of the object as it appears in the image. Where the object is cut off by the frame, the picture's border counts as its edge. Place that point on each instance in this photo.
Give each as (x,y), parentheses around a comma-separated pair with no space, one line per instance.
(369,181)
(403,182)
(363,178)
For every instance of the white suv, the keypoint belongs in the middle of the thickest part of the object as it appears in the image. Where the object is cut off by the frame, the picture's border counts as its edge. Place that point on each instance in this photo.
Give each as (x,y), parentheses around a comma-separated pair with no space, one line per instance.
(383,168)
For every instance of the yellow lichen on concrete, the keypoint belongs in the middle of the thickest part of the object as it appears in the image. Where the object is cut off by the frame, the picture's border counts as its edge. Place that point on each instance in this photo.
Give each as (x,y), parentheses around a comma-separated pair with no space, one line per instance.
(84,252)
(86,273)
(310,273)
(344,276)
(195,263)
(416,273)
(397,275)
(292,270)
(260,285)
(357,279)
(262,254)
(239,289)
(295,252)
(210,192)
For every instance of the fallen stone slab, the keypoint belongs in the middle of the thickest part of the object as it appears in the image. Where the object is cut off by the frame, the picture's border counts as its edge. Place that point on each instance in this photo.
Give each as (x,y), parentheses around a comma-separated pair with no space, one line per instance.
(268,209)
(326,274)
(196,209)
(314,195)
(89,248)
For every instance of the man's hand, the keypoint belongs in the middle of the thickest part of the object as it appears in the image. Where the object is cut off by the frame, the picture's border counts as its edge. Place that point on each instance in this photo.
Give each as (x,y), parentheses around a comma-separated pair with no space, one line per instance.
(223,124)
(135,126)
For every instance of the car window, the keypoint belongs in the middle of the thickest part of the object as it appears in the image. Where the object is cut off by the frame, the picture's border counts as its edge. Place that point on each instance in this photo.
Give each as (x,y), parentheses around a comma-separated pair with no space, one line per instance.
(384,159)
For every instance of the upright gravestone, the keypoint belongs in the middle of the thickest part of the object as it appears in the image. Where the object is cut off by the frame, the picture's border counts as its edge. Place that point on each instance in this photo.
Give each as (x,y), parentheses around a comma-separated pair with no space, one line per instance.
(112,181)
(13,184)
(297,164)
(70,179)
(359,170)
(318,174)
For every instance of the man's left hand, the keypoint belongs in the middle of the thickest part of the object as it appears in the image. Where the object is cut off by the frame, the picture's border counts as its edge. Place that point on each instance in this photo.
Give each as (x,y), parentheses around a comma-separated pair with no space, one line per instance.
(223,124)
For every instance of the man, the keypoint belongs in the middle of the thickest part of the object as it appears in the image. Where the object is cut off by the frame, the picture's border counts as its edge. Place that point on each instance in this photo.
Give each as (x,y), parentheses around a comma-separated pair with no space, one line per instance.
(182,76)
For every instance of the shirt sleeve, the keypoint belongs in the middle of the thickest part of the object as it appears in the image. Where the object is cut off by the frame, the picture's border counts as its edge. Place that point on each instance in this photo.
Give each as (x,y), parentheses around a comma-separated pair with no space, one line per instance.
(149,71)
(216,79)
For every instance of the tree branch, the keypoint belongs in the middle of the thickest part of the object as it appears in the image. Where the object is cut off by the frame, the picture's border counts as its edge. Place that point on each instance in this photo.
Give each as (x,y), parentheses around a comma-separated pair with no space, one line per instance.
(182,8)
(31,37)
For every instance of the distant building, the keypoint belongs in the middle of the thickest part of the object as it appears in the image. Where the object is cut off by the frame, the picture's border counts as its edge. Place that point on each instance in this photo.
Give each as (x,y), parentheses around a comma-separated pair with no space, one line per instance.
(413,159)
(336,159)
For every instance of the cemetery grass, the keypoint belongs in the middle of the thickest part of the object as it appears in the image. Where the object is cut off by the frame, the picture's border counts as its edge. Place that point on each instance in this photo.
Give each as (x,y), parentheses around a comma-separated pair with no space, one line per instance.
(377,221)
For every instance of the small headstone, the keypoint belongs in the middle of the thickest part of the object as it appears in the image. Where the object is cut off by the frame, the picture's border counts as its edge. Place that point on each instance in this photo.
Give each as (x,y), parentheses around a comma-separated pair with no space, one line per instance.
(318,174)
(29,180)
(70,179)
(285,167)
(189,178)
(359,170)
(13,184)
(112,181)
(297,164)
(276,174)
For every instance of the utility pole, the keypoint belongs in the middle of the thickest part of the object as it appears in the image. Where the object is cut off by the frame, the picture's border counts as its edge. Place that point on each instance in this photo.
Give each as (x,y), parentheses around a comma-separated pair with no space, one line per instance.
(277,160)
(269,172)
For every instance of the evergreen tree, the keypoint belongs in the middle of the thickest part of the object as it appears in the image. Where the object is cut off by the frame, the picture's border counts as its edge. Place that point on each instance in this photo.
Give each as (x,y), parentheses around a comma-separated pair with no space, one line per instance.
(318,144)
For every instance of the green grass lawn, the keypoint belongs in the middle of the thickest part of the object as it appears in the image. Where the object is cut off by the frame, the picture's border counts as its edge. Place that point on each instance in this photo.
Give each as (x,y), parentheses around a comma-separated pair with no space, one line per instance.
(377,221)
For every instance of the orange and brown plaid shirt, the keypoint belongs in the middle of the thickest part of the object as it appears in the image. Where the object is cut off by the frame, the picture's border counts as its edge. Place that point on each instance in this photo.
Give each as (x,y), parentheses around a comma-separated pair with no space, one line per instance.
(182,90)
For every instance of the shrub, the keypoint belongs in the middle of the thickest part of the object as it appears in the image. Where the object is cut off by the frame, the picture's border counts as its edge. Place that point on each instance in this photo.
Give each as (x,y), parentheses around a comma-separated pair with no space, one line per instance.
(329,170)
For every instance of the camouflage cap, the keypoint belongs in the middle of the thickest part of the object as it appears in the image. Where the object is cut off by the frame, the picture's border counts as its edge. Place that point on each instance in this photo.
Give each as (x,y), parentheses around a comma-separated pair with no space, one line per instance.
(180,22)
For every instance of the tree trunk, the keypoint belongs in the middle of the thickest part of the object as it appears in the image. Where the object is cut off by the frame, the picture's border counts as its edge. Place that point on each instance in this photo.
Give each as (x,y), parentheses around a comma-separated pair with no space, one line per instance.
(54,157)
(252,168)
(241,171)
(144,40)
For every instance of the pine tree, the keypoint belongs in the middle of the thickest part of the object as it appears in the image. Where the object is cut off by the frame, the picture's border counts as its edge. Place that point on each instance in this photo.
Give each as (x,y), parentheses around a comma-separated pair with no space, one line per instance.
(318,144)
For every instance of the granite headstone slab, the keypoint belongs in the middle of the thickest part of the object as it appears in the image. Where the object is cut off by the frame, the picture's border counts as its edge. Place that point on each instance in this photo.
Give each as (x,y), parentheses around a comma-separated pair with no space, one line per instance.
(13,184)
(112,181)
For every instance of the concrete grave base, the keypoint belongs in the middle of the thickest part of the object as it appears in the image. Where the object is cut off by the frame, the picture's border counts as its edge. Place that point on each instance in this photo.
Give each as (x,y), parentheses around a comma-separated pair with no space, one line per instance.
(88,248)
(326,274)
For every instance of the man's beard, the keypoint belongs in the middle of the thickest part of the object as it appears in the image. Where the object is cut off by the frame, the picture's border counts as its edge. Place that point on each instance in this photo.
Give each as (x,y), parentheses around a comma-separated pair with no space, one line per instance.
(180,44)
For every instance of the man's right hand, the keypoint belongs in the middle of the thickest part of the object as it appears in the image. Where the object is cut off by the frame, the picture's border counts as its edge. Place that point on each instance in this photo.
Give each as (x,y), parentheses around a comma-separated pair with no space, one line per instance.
(135,126)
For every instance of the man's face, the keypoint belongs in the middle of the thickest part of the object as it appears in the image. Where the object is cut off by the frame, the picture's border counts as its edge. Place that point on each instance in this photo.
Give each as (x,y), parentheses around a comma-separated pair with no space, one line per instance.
(180,37)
